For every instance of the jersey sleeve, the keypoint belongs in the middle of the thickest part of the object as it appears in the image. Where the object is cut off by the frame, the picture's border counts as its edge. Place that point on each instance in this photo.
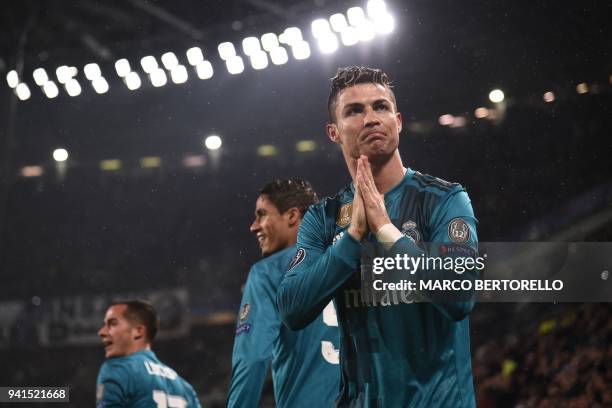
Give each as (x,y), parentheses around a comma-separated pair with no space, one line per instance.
(113,383)
(316,272)
(257,329)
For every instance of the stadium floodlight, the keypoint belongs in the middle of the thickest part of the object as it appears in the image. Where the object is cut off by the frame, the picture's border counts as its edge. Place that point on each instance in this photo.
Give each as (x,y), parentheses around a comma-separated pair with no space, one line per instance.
(446,120)
(366,31)
(582,88)
(92,71)
(293,35)
(385,24)
(158,78)
(251,46)
(301,50)
(32,171)
(50,89)
(549,97)
(213,142)
(356,16)
(149,64)
(226,50)
(377,9)
(328,44)
(481,112)
(458,121)
(63,74)
(269,41)
(338,22)
(194,55)
(60,155)
(122,67)
(279,56)
(259,60)
(73,88)
(235,65)
(349,36)
(320,28)
(179,74)
(304,146)
(267,150)
(204,69)
(132,81)
(100,85)
(40,76)
(23,91)
(169,60)
(12,79)
(496,96)
(73,71)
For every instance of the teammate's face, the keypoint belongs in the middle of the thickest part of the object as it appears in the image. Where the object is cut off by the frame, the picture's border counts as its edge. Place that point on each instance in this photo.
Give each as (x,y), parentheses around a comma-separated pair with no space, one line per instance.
(118,334)
(273,230)
(366,122)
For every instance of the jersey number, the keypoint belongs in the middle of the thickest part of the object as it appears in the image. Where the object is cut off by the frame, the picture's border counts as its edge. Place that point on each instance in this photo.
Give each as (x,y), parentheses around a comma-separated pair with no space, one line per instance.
(330,354)
(164,400)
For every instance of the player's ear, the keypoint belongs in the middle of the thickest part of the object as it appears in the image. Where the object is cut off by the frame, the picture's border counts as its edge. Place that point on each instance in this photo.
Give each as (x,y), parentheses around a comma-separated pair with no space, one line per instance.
(399,120)
(139,331)
(293,216)
(332,132)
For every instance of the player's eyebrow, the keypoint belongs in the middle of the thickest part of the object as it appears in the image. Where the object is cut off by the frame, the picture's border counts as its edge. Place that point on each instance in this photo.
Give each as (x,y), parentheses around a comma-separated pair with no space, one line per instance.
(260,211)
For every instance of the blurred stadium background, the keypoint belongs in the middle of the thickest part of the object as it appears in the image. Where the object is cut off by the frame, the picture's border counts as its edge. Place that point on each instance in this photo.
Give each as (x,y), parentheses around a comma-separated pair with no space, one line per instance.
(134,136)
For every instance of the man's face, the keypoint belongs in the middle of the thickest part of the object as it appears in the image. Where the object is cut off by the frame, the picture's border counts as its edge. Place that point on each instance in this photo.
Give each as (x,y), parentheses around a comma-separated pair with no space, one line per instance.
(273,229)
(118,334)
(366,122)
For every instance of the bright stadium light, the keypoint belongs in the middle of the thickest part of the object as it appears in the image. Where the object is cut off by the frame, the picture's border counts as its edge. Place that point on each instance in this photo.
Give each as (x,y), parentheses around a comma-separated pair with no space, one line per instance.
(320,28)
(269,41)
(582,88)
(204,70)
(50,89)
(12,79)
(235,65)
(481,112)
(446,120)
(179,74)
(279,56)
(60,155)
(338,22)
(194,55)
(63,74)
(384,24)
(213,142)
(259,60)
(250,45)
(92,71)
(301,50)
(132,81)
(366,31)
(328,44)
(122,67)
(23,91)
(40,76)
(169,60)
(496,96)
(549,97)
(100,85)
(149,64)
(158,78)
(293,35)
(377,9)
(356,16)
(226,50)
(349,36)
(73,88)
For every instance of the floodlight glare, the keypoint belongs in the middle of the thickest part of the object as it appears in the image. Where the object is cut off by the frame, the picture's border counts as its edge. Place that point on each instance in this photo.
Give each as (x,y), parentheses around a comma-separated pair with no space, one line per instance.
(481,112)
(301,50)
(235,65)
(149,64)
(259,60)
(293,35)
(279,56)
(328,44)
(377,9)
(132,81)
(72,71)
(269,41)
(349,36)
(169,60)
(179,74)
(60,155)
(446,120)
(320,28)
(194,55)
(158,77)
(356,16)
(250,45)
(366,31)
(122,67)
(549,97)
(63,74)
(496,96)
(50,89)
(12,79)
(213,142)
(100,85)
(385,24)
(92,71)
(338,22)
(226,50)
(23,91)
(582,88)
(204,70)
(73,88)
(40,76)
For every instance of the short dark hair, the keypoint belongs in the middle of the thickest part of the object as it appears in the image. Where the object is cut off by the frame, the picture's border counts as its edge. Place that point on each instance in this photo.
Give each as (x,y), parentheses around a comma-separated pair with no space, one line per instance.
(141,312)
(351,76)
(286,194)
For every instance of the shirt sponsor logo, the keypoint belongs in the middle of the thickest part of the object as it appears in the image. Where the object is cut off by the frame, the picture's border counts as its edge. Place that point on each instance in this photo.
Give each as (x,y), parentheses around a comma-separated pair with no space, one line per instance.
(458,231)
(300,255)
(243,328)
(354,298)
(244,313)
(337,237)
(455,249)
(409,229)
(344,215)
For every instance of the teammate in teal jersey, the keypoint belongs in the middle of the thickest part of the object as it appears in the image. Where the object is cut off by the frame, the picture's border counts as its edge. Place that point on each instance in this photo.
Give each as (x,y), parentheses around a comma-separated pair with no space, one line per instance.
(305,370)
(394,352)
(132,376)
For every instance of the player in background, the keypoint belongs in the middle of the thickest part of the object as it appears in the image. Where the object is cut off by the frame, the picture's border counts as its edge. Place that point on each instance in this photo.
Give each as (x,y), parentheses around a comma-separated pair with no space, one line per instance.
(394,352)
(305,370)
(132,376)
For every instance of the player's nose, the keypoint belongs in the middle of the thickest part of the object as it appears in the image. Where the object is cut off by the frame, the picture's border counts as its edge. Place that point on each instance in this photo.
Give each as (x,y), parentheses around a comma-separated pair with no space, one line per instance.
(255,226)
(371,118)
(102,331)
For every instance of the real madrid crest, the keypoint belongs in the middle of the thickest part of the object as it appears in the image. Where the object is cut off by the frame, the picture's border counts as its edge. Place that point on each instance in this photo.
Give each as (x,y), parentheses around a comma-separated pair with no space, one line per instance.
(344,215)
(410,230)
(244,312)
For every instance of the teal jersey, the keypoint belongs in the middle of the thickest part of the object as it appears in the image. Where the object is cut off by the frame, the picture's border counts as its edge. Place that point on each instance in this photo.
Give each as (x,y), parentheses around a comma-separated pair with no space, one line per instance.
(395,352)
(305,363)
(141,380)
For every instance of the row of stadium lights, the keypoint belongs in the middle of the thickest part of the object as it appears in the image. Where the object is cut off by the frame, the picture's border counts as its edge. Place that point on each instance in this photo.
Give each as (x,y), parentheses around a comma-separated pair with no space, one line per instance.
(352,28)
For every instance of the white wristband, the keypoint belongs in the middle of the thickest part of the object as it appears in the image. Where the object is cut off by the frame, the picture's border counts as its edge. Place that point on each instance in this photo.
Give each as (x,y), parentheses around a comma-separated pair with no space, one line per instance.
(388,235)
